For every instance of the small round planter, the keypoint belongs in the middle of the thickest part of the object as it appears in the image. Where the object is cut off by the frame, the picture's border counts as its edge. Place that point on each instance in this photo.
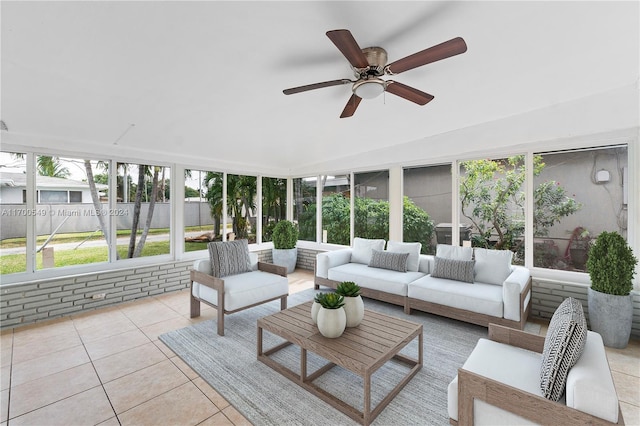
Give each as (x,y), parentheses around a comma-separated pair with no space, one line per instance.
(354,309)
(332,322)
(611,317)
(315,308)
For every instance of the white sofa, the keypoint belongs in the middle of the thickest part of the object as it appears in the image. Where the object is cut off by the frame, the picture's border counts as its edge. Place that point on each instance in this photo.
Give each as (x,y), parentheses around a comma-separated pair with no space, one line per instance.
(500,384)
(502,297)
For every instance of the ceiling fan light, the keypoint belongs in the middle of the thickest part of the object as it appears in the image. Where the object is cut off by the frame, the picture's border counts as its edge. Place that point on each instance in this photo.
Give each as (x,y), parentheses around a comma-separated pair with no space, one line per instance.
(369,89)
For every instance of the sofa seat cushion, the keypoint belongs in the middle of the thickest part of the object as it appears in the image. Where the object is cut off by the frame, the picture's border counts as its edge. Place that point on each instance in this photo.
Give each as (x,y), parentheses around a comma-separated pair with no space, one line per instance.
(245,289)
(506,364)
(393,282)
(477,297)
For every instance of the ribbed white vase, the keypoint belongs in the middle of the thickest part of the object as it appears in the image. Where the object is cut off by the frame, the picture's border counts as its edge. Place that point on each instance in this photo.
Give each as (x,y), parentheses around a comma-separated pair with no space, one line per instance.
(354,309)
(315,307)
(331,322)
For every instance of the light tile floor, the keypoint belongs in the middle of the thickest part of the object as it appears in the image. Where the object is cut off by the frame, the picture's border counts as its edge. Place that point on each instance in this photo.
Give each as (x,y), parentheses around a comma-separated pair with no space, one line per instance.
(107,367)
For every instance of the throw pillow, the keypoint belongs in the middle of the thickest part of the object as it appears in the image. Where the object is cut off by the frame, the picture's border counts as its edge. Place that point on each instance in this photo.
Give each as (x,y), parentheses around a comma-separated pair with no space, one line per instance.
(229,257)
(413,262)
(563,345)
(447,251)
(362,249)
(451,269)
(388,260)
(492,266)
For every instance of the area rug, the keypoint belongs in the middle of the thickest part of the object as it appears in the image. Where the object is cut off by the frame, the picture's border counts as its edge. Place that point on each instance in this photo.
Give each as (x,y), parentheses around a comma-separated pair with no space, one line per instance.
(265,397)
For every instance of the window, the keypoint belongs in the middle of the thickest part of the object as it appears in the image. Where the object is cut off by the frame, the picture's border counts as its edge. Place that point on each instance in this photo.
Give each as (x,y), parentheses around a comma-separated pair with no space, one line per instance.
(75,228)
(202,208)
(427,201)
(371,215)
(336,209)
(274,204)
(241,205)
(304,207)
(143,210)
(577,195)
(13,218)
(492,199)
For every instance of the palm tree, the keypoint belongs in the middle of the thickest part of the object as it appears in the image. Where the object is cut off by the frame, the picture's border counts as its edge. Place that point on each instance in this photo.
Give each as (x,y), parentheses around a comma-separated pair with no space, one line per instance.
(213,181)
(51,166)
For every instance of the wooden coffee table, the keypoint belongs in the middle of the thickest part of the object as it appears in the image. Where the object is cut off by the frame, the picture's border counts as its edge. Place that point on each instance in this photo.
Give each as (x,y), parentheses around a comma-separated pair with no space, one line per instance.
(361,350)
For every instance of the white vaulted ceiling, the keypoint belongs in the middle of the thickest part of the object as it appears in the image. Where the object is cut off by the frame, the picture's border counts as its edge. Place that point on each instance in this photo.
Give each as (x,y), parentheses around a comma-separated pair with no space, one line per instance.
(201,82)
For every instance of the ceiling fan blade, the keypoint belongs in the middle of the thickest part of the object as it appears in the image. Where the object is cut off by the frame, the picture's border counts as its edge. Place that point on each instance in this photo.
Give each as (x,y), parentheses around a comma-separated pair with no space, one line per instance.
(345,42)
(408,92)
(351,106)
(316,86)
(435,53)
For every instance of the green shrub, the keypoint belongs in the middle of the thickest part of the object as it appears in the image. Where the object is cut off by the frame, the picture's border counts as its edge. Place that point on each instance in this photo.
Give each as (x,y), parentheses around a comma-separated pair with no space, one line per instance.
(285,235)
(611,265)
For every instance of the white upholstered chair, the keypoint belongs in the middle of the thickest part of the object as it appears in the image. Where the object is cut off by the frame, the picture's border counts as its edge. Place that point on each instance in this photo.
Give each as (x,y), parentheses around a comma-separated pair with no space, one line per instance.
(261,283)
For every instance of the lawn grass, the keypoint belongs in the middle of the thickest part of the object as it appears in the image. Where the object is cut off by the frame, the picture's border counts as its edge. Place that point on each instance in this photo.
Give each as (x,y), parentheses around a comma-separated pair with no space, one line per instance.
(14,263)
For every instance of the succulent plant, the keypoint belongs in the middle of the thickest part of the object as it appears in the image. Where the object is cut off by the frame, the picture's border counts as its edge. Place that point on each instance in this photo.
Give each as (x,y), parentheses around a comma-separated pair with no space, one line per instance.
(330,300)
(348,289)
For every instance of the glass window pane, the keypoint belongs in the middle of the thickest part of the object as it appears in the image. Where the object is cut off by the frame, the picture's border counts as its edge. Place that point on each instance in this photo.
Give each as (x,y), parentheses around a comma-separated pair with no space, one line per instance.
(577,195)
(371,216)
(336,209)
(202,208)
(144,210)
(13,219)
(71,234)
(304,207)
(274,204)
(427,201)
(241,205)
(492,199)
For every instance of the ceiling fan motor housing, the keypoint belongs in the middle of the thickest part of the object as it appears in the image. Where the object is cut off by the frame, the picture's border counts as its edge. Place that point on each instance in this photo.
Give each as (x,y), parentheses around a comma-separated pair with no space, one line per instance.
(377,59)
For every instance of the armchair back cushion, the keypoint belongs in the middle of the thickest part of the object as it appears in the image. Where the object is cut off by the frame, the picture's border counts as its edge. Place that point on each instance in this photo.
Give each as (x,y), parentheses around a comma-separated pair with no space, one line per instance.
(563,345)
(229,257)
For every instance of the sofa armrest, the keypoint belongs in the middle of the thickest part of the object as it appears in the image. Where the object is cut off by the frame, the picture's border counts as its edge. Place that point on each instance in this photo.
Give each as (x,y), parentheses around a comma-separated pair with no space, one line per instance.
(515,293)
(272,269)
(330,259)
(518,338)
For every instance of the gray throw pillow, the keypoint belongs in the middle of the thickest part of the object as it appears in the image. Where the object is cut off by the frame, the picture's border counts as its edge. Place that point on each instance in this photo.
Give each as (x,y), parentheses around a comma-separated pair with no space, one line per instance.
(389,260)
(229,257)
(451,269)
(563,345)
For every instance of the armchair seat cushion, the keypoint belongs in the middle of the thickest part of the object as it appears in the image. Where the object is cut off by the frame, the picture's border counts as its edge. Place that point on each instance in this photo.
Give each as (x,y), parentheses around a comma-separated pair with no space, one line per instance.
(246,289)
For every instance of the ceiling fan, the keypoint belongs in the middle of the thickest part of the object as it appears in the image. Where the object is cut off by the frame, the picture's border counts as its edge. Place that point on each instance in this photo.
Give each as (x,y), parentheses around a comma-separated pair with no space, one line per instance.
(370,63)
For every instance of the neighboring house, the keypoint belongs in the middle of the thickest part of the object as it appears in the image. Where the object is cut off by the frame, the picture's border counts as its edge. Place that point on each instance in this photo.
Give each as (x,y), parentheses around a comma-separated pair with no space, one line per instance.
(50,190)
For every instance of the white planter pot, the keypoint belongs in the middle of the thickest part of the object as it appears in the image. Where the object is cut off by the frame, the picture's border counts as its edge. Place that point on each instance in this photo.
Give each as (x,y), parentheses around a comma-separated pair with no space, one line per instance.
(315,307)
(331,322)
(354,309)
(285,257)
(611,316)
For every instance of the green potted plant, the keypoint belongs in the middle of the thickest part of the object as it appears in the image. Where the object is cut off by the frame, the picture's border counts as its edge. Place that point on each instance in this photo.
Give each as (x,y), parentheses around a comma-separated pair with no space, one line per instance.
(285,237)
(611,266)
(332,319)
(353,304)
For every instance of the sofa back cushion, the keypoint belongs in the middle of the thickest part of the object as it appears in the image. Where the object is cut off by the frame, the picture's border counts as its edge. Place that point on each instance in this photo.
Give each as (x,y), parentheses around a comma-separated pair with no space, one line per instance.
(492,266)
(413,262)
(451,269)
(362,249)
(446,251)
(563,345)
(389,260)
(229,257)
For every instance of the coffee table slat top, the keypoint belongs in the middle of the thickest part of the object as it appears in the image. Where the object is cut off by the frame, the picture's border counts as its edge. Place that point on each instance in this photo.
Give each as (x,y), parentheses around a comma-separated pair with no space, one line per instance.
(361,349)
